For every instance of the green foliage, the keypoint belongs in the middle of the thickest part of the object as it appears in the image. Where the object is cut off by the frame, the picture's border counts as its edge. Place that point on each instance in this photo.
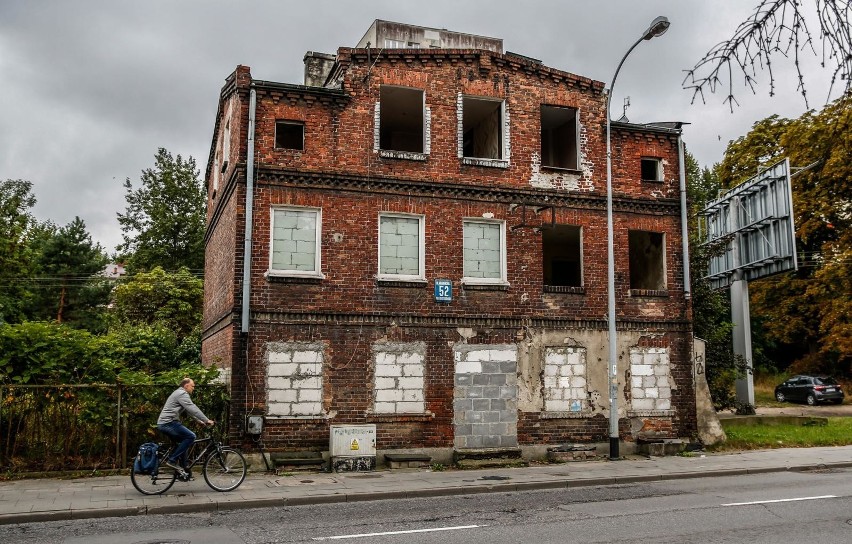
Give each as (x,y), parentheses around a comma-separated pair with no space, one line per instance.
(838,432)
(72,291)
(163,224)
(173,299)
(804,317)
(51,353)
(16,220)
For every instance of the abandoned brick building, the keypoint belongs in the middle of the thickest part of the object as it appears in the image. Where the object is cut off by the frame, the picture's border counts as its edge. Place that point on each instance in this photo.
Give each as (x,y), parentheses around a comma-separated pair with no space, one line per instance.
(416,238)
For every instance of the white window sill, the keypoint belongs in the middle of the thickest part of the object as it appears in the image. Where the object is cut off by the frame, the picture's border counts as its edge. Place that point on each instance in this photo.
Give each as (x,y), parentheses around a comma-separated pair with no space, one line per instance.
(485,282)
(293,274)
(407,155)
(406,279)
(489,163)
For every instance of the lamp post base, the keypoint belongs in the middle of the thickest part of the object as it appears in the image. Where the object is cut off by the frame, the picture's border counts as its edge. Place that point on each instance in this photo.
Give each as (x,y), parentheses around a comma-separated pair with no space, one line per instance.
(613,448)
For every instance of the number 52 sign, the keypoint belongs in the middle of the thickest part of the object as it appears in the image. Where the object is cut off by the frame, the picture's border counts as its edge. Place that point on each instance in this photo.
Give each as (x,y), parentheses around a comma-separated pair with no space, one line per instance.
(443,290)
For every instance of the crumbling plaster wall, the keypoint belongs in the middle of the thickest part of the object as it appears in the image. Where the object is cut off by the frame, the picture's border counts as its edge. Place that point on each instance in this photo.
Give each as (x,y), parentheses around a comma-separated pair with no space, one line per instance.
(531,360)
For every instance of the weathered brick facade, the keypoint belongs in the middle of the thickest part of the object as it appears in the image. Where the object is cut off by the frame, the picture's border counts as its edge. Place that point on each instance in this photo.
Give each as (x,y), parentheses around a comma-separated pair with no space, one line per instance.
(343,180)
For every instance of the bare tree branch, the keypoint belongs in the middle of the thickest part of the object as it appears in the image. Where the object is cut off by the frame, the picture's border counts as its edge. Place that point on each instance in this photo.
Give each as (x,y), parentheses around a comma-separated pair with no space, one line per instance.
(777,28)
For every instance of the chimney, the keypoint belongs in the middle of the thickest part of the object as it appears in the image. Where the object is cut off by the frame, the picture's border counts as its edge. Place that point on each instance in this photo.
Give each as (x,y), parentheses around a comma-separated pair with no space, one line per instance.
(317,68)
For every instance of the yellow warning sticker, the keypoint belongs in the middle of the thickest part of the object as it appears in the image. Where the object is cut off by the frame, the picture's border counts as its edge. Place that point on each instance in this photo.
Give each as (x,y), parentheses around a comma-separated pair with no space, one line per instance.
(354,445)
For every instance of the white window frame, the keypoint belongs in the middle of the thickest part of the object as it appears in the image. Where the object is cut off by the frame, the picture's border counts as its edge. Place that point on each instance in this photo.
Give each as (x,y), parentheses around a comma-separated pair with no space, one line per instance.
(502,280)
(501,129)
(317,271)
(421,256)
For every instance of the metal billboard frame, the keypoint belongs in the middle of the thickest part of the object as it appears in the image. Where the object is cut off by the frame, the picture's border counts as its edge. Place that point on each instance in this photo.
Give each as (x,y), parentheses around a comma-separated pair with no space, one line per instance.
(760,236)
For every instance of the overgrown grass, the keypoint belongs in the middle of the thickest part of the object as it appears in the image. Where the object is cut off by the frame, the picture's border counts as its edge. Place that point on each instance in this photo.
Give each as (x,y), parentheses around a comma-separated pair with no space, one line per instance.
(838,432)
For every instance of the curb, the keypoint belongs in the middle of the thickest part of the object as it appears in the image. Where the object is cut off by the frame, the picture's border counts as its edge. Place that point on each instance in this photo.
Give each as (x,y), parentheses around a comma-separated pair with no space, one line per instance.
(225,506)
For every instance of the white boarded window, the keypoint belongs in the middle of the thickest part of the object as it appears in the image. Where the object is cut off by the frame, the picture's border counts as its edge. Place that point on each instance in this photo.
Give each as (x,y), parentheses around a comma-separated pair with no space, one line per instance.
(294,379)
(295,247)
(401,247)
(484,252)
(399,383)
(650,387)
(565,383)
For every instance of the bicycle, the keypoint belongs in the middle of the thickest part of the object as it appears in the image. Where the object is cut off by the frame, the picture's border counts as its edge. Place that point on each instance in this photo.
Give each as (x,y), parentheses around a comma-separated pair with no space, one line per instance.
(224,468)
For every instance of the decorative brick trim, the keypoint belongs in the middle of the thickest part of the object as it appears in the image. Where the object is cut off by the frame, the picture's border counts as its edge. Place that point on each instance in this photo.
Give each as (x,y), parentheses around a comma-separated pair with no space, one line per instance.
(658,293)
(404,284)
(567,289)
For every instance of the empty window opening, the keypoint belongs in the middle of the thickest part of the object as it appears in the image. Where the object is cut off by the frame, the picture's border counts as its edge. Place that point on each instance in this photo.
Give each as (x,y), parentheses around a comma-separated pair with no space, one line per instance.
(563,259)
(647,256)
(482,121)
(559,137)
(289,135)
(401,119)
(651,170)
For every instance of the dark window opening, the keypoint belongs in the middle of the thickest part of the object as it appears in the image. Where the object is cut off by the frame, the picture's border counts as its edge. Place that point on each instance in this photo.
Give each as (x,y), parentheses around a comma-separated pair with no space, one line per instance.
(401,119)
(647,270)
(482,123)
(651,170)
(289,135)
(563,262)
(559,138)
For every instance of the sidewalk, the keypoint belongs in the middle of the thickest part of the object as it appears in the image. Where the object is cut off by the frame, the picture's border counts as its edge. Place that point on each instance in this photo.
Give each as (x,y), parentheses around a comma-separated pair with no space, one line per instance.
(23,501)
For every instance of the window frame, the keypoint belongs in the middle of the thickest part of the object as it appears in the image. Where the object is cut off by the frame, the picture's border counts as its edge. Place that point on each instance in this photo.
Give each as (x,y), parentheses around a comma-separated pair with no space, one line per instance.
(291,122)
(503,279)
(658,163)
(577,152)
(663,266)
(580,254)
(424,143)
(286,273)
(421,253)
(501,132)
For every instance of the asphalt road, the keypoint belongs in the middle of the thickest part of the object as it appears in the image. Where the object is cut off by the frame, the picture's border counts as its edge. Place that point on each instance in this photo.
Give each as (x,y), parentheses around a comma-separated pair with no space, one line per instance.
(777,507)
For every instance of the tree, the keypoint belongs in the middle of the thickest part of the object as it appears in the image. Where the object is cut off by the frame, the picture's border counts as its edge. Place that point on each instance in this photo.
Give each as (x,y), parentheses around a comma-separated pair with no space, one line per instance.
(163,224)
(777,28)
(806,313)
(16,220)
(711,310)
(173,299)
(70,291)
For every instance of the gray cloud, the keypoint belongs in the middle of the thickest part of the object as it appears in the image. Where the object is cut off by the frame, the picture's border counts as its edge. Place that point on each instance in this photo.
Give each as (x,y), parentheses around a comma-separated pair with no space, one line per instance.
(90,89)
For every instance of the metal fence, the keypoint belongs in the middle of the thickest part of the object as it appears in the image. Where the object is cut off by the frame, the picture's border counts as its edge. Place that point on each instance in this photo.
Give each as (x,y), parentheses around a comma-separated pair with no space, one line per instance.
(86,427)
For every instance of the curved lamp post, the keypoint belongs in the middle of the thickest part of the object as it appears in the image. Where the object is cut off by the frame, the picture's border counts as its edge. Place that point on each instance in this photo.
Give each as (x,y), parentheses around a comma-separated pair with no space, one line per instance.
(657,28)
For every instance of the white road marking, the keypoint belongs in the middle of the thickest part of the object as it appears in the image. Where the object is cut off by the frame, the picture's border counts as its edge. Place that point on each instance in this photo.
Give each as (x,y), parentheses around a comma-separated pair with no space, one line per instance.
(363,535)
(782,500)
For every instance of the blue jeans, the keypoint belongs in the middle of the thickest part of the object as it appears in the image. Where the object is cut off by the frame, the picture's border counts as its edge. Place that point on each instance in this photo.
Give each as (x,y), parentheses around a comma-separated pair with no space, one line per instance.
(180,434)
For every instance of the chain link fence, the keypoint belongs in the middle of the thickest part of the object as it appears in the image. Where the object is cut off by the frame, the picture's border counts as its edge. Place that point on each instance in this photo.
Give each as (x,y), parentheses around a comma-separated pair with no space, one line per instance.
(47,428)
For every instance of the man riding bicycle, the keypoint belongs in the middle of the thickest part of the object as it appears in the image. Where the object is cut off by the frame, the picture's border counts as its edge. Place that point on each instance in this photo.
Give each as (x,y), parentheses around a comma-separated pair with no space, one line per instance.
(169,423)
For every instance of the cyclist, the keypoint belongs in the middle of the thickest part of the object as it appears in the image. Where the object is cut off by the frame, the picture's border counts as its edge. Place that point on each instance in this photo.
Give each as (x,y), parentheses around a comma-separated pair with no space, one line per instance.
(169,423)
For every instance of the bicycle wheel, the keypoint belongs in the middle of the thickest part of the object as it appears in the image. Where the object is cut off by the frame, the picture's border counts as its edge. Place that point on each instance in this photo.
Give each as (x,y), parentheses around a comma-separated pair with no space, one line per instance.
(153,484)
(225,470)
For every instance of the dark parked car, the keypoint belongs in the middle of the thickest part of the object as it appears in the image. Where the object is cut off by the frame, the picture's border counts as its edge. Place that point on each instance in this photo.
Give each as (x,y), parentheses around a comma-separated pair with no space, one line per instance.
(810,389)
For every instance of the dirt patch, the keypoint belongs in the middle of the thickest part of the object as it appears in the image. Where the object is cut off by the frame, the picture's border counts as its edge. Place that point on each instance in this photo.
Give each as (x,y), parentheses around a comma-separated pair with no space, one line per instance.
(823,410)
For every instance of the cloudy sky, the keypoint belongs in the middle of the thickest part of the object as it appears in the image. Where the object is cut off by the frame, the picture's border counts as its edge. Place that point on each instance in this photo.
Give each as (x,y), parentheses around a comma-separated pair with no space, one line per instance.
(90,89)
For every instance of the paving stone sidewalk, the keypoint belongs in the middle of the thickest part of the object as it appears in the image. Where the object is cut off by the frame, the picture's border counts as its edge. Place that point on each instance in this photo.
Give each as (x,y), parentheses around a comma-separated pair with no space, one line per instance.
(23,501)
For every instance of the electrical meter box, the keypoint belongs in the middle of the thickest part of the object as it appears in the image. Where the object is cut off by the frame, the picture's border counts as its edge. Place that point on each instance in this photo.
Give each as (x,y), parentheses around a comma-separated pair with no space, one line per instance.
(353,448)
(254,424)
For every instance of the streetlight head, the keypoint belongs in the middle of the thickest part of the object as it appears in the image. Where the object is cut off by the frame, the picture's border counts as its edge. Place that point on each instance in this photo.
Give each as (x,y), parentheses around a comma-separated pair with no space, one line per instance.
(658,28)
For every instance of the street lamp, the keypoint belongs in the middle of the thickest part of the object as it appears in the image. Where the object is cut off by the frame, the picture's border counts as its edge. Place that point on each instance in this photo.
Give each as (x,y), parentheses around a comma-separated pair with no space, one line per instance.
(657,28)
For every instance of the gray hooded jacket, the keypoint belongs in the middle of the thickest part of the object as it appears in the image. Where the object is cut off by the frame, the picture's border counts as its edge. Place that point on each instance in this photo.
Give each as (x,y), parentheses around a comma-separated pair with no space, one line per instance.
(176,405)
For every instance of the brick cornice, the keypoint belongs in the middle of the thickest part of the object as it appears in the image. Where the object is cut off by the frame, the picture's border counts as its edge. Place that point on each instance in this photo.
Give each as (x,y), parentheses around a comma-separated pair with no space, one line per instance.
(280,177)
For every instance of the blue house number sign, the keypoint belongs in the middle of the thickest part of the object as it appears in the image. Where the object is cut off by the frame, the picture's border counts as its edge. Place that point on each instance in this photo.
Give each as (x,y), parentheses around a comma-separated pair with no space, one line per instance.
(443,290)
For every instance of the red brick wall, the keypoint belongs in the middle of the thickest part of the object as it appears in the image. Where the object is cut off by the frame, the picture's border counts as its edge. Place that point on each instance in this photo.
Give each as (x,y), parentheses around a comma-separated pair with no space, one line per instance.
(339,172)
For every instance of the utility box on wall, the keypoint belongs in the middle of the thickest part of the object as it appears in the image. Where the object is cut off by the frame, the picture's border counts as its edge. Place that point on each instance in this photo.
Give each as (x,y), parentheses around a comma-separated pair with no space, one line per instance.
(353,448)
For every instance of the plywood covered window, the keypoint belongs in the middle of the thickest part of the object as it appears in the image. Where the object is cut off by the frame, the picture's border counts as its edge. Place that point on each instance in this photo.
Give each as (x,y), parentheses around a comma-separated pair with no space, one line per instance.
(484,251)
(295,247)
(401,247)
